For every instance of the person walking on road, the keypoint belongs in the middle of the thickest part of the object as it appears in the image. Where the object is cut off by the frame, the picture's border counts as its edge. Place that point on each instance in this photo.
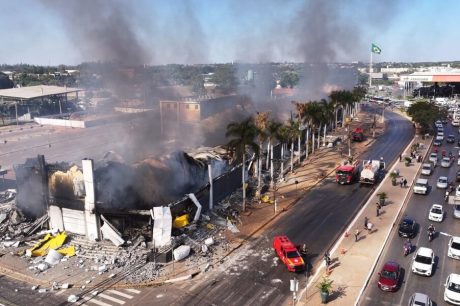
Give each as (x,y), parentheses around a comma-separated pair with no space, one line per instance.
(356,235)
(378,208)
(405,183)
(366,221)
(400,157)
(401,182)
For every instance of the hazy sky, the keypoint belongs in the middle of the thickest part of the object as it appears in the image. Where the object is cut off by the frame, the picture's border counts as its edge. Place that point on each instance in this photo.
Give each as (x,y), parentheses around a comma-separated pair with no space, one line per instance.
(51,32)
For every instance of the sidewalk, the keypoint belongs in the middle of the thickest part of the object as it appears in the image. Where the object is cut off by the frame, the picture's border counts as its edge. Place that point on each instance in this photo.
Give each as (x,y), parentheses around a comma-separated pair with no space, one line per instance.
(353,262)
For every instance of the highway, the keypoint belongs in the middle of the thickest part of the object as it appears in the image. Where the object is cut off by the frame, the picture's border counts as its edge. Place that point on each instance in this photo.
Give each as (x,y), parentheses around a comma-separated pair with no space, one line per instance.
(253,276)
(418,208)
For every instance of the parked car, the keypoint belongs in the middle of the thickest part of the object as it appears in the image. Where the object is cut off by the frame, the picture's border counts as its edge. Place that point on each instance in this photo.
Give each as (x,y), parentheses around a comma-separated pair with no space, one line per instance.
(427,169)
(423,261)
(420,299)
(437,143)
(421,186)
(288,254)
(458,144)
(452,289)
(446,162)
(450,139)
(457,177)
(436,213)
(440,136)
(454,248)
(389,276)
(407,228)
(457,211)
(442,182)
(433,158)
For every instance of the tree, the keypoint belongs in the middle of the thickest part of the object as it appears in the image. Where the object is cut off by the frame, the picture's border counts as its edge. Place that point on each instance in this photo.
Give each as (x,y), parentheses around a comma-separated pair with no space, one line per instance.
(243,134)
(424,113)
(224,77)
(273,130)
(289,79)
(261,122)
(5,81)
(198,85)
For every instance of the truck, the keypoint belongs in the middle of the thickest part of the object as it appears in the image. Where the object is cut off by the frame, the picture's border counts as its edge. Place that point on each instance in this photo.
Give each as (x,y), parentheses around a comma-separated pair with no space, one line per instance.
(347,173)
(372,170)
(357,134)
(288,254)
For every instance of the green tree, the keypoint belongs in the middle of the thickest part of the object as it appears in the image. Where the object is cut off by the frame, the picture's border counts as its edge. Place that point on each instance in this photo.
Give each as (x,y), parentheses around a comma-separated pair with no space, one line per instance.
(5,81)
(224,77)
(424,113)
(243,136)
(198,85)
(289,79)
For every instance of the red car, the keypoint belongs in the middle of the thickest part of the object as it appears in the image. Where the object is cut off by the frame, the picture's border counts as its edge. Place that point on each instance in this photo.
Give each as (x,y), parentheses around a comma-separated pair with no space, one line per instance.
(389,276)
(288,254)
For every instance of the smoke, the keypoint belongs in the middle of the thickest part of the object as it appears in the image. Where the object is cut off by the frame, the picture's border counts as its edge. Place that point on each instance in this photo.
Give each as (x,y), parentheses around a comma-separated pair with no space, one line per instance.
(102,30)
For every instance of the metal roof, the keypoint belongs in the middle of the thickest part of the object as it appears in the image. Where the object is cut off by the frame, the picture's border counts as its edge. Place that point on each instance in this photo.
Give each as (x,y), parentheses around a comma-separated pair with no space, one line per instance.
(39,91)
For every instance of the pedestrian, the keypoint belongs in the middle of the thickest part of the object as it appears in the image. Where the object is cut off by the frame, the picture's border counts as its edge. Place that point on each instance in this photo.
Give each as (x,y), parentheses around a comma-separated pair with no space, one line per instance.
(356,235)
(378,209)
(369,226)
(400,157)
(405,183)
(401,182)
(366,220)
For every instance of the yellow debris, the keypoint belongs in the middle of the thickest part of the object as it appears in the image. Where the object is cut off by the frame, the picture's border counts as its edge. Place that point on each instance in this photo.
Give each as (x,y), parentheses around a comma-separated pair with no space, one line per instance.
(68,251)
(181,221)
(265,198)
(210,226)
(42,247)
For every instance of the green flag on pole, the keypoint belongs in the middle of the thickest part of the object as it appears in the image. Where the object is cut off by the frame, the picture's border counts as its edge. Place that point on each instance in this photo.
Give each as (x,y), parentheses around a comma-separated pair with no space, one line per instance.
(376,49)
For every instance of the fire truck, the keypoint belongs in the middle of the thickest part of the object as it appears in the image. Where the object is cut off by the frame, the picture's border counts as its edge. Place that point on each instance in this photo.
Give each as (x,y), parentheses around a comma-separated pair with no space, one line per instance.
(347,173)
(288,254)
(357,134)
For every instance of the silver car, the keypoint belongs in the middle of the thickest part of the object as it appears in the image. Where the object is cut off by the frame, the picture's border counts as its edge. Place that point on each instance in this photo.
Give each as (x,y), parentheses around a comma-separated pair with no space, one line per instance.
(457,211)
(419,299)
(433,158)
(442,182)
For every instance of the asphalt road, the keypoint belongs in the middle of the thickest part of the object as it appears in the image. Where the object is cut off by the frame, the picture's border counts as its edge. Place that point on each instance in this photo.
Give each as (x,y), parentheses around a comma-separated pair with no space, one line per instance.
(254,276)
(418,208)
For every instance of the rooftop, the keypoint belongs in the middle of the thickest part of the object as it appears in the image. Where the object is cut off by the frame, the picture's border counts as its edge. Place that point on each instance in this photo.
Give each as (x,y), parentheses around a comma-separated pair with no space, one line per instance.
(39,91)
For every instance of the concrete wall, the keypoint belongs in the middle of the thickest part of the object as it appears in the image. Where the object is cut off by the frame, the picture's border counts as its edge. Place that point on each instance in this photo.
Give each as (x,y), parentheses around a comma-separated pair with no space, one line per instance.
(60,122)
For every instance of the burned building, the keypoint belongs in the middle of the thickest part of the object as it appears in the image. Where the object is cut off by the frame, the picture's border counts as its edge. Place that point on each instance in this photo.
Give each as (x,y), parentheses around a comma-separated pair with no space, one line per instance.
(76,199)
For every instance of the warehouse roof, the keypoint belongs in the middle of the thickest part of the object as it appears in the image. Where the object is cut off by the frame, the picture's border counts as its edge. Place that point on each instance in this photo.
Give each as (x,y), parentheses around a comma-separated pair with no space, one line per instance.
(39,91)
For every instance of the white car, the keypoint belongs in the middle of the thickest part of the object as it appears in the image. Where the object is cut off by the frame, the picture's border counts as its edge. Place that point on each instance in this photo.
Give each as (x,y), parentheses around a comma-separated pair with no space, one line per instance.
(427,169)
(436,213)
(423,261)
(440,136)
(446,162)
(454,248)
(452,290)
(434,158)
(457,191)
(421,186)
(442,182)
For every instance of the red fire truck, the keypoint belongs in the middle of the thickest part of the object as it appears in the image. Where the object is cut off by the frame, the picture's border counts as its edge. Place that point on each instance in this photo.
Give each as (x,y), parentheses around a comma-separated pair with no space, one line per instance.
(347,173)
(357,134)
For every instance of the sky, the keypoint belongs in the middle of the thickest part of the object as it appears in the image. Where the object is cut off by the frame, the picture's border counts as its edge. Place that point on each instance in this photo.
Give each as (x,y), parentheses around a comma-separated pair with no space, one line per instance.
(53,32)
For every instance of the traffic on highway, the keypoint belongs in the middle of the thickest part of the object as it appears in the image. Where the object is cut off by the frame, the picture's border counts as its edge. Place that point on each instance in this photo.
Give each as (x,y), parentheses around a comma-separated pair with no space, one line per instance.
(420,263)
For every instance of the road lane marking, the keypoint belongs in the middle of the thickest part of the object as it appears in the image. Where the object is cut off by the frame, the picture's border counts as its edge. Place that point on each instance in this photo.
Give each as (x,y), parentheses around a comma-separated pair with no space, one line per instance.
(92,300)
(133,291)
(120,294)
(108,297)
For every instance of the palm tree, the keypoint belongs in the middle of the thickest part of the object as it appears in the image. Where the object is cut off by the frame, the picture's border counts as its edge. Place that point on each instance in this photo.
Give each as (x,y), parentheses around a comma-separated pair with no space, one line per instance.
(272,131)
(243,134)
(293,132)
(261,122)
(283,138)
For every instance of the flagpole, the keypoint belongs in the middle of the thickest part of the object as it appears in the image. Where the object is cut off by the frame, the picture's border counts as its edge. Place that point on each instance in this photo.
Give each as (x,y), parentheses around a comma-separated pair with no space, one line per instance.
(370,71)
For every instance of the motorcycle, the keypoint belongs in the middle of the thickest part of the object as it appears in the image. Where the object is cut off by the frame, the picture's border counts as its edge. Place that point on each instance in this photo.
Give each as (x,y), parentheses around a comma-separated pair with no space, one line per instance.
(446,196)
(430,235)
(407,248)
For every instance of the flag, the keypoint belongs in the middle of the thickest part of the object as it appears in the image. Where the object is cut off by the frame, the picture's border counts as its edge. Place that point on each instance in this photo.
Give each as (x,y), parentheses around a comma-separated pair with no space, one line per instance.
(376,49)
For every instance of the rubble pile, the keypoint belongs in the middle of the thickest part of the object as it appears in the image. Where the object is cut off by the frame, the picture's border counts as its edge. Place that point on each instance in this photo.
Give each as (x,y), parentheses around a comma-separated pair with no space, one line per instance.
(13,224)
